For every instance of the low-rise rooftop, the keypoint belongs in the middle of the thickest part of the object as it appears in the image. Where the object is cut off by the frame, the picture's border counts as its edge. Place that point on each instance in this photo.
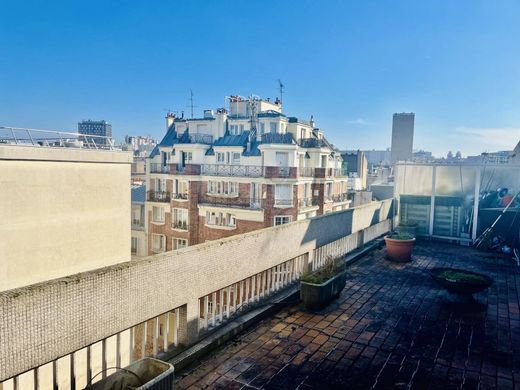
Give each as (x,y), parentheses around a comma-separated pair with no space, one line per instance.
(390,328)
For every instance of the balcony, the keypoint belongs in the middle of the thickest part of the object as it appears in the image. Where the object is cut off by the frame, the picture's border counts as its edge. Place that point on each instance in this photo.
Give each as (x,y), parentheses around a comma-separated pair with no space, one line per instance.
(308,202)
(283,202)
(232,202)
(341,197)
(334,172)
(232,170)
(159,168)
(137,224)
(180,225)
(109,332)
(158,196)
(180,196)
(389,329)
(306,172)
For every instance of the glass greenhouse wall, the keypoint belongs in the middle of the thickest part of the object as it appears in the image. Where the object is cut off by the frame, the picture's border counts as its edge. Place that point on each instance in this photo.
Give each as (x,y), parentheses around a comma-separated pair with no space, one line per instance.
(459,201)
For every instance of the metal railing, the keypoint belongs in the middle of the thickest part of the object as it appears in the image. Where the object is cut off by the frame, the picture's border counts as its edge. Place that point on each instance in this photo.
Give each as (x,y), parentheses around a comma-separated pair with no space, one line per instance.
(182,225)
(306,171)
(308,202)
(159,168)
(341,197)
(180,196)
(283,202)
(158,196)
(137,224)
(53,139)
(197,138)
(232,170)
(236,202)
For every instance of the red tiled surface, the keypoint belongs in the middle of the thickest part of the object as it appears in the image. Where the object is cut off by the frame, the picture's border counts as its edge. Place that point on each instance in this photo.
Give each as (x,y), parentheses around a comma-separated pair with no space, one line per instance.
(388,329)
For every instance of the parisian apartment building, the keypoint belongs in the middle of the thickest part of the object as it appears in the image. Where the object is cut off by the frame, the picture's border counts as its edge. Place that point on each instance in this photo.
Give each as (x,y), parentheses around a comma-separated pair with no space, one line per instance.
(237,169)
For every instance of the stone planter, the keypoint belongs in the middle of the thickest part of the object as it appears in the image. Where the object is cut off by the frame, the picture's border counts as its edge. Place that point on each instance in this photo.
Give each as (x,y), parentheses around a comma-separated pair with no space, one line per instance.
(317,296)
(147,373)
(399,250)
(460,292)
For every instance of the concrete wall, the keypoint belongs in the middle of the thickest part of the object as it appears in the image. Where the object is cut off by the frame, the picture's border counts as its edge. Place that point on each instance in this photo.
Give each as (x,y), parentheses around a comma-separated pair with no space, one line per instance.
(62,211)
(42,322)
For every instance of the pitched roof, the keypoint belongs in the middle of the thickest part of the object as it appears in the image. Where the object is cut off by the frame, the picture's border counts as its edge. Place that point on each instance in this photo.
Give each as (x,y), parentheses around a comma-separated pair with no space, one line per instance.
(233,140)
(276,138)
(170,137)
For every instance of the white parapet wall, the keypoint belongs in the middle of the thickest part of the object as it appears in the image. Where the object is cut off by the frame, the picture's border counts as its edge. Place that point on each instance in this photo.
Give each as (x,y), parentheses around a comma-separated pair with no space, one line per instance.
(62,211)
(43,322)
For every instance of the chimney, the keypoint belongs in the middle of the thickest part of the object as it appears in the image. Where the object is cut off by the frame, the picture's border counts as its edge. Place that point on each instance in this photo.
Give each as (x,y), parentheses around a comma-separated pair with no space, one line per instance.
(170,118)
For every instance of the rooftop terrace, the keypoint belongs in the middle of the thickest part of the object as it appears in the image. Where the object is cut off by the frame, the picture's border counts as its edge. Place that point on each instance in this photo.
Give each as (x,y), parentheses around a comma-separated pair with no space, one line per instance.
(388,329)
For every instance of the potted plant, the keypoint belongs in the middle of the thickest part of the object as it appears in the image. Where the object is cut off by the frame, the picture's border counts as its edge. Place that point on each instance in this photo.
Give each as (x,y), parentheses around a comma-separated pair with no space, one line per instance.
(399,247)
(318,288)
(461,285)
(408,227)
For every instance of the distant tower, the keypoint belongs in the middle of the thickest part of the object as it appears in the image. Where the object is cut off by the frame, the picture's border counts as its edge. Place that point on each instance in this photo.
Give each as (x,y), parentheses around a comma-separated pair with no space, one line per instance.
(402,137)
(101,128)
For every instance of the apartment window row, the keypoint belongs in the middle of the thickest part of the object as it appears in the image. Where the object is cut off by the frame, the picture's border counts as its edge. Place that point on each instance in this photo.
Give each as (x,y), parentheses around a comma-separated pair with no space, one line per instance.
(159,243)
(217,218)
(228,157)
(223,187)
(180,219)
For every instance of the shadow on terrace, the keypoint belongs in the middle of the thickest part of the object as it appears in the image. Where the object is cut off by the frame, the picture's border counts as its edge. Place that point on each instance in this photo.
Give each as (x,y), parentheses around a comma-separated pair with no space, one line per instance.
(388,329)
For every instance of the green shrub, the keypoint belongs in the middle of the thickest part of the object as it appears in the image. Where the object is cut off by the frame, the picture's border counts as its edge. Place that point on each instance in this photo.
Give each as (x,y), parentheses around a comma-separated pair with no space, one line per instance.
(401,236)
(332,267)
(459,276)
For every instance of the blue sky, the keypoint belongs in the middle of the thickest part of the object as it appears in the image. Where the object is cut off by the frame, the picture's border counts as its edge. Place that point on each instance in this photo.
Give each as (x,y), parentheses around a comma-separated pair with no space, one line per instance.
(456,64)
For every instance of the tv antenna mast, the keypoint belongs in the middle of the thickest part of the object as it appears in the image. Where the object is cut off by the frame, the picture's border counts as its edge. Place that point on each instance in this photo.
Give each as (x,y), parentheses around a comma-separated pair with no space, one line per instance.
(281,88)
(191,102)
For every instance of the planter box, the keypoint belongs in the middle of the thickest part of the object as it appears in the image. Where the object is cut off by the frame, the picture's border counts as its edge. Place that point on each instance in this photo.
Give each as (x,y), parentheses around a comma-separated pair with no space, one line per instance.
(399,250)
(317,296)
(147,373)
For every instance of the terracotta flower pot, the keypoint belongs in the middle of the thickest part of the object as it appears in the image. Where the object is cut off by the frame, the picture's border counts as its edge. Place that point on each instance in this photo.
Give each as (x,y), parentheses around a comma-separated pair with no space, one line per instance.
(398,249)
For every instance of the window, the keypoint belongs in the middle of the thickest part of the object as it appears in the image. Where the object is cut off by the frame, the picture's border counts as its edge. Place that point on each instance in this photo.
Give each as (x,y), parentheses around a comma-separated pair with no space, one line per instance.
(273,127)
(236,129)
(178,243)
(157,214)
(216,218)
(328,191)
(181,189)
(180,219)
(262,128)
(236,158)
(223,187)
(189,156)
(283,194)
(158,242)
(221,157)
(282,219)
(160,185)
(134,246)
(302,133)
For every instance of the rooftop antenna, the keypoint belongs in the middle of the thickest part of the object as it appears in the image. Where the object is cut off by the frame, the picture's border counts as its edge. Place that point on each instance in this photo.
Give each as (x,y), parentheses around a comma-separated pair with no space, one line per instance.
(191,102)
(281,87)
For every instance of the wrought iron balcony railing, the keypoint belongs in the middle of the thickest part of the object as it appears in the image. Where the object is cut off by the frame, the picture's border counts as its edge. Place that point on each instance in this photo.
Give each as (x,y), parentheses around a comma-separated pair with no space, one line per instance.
(180,196)
(182,225)
(232,170)
(158,196)
(159,168)
(308,202)
(306,171)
